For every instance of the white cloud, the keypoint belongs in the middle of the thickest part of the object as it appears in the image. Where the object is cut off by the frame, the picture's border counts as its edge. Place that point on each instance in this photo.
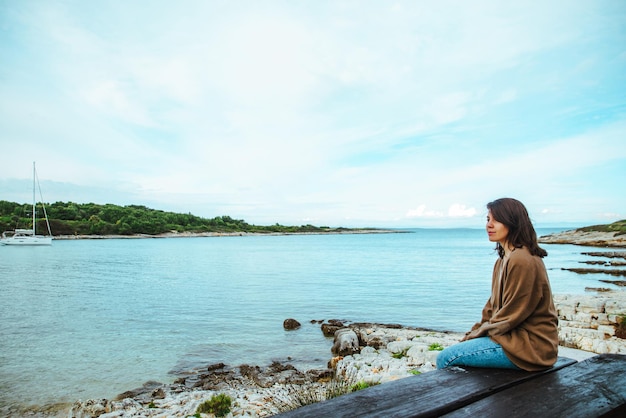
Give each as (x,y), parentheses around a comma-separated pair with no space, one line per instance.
(422,212)
(461,211)
(455,210)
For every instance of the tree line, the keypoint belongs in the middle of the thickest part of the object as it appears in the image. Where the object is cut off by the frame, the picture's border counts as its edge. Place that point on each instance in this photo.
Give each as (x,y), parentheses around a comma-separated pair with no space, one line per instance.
(69,218)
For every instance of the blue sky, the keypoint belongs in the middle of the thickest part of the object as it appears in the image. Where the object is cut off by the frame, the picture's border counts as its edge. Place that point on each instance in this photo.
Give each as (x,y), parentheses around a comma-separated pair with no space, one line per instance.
(339,113)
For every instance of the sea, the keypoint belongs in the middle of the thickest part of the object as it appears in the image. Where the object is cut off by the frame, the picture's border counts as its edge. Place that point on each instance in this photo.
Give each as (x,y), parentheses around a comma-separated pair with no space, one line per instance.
(89,319)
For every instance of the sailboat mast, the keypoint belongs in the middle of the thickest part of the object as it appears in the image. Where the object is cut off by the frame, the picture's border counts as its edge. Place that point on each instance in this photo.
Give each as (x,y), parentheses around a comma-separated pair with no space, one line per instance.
(34,174)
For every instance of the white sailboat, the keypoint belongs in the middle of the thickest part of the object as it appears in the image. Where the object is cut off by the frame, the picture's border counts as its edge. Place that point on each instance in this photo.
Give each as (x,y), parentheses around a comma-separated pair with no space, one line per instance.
(28,236)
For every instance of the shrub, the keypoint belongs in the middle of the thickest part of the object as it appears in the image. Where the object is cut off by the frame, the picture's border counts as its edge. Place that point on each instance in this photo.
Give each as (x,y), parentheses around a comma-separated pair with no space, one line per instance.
(219,405)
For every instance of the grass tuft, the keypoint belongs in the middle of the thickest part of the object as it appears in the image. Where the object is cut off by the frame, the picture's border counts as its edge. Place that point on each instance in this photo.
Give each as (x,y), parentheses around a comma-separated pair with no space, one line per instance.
(435,347)
(219,405)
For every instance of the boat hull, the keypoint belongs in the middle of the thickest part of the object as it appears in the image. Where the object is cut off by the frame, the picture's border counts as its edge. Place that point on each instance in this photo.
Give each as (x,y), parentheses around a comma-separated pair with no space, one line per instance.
(37,240)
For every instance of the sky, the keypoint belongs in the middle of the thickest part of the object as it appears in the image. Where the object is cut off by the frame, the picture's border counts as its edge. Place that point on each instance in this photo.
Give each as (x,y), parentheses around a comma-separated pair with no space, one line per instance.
(331,113)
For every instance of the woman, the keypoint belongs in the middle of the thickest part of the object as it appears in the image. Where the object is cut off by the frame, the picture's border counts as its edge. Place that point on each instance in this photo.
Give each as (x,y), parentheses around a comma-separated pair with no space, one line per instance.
(518,329)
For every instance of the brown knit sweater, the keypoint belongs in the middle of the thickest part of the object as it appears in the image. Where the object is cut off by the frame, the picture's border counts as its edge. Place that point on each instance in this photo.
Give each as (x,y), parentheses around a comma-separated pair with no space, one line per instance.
(520,315)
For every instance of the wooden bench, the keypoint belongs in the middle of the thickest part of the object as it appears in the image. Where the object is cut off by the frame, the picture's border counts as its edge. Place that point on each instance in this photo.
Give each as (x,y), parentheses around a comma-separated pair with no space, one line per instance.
(592,388)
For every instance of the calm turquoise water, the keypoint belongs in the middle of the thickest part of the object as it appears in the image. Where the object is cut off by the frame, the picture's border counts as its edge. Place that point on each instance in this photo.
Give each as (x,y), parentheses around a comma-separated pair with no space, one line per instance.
(93,318)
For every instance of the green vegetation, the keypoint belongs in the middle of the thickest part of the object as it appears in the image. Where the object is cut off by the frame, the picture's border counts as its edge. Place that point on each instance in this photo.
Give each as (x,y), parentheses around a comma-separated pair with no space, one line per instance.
(619,227)
(361,385)
(435,347)
(400,354)
(108,219)
(415,372)
(219,405)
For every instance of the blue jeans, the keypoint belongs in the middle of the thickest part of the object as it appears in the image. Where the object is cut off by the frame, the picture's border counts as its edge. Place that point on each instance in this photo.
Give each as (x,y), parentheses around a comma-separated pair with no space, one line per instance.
(478,352)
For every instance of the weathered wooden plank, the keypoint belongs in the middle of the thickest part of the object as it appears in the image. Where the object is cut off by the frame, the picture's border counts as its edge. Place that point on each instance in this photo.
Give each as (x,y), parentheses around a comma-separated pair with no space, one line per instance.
(592,388)
(428,395)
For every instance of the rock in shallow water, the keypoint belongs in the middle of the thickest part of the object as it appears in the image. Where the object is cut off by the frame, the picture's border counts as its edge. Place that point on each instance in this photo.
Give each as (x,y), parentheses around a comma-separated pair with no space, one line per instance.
(291,324)
(346,342)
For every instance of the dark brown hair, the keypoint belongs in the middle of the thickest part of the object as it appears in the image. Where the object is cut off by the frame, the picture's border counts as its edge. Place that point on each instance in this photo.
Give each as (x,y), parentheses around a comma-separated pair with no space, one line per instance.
(514,215)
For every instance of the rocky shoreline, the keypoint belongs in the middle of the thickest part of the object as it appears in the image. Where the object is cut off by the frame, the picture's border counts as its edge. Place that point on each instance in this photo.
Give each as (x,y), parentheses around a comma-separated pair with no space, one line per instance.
(576,237)
(586,238)
(175,234)
(362,354)
(610,262)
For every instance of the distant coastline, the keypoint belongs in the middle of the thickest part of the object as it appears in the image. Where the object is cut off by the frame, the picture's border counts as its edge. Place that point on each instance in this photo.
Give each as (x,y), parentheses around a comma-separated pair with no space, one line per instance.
(341,231)
(68,220)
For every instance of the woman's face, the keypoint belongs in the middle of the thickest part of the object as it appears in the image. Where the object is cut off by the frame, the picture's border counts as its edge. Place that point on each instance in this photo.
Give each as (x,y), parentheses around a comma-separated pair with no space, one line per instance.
(497,232)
